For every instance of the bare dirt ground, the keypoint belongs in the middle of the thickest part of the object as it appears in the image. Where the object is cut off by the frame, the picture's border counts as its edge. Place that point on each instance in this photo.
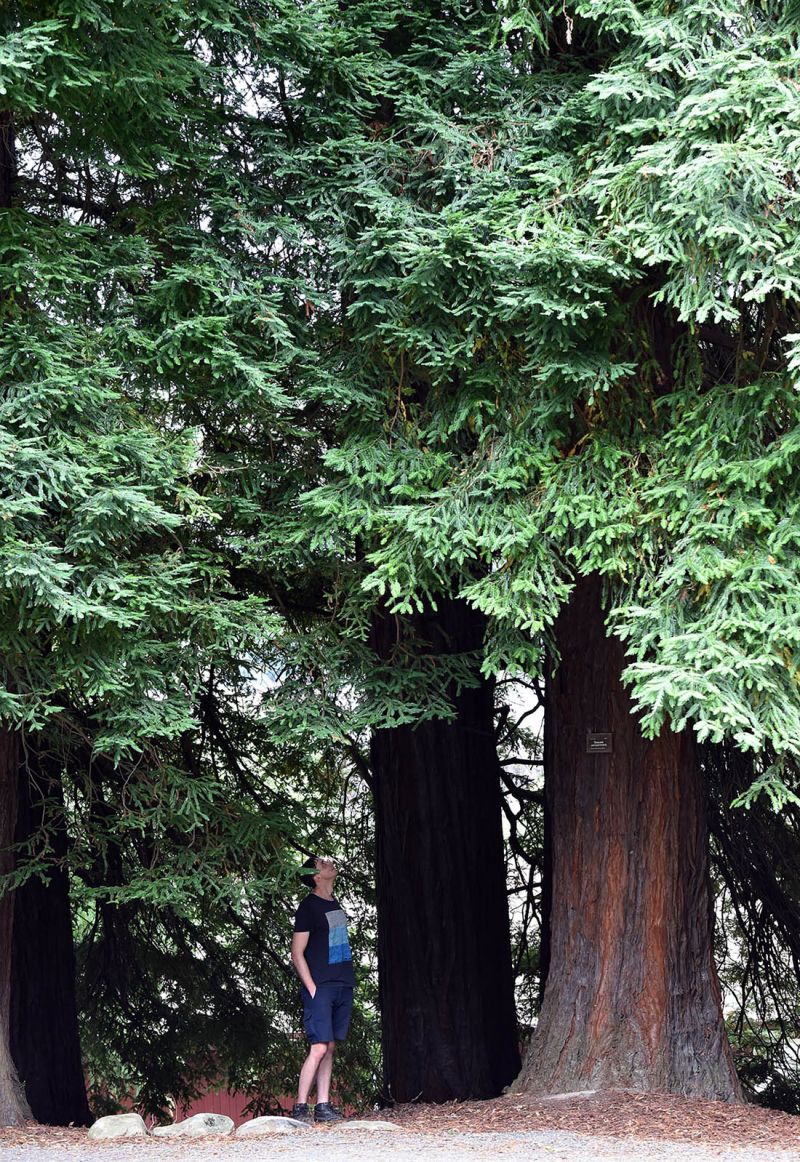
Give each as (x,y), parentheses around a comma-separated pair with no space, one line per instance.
(619,1126)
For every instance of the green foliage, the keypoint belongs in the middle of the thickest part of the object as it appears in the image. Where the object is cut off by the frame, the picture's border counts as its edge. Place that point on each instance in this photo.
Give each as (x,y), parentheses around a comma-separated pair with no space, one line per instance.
(104,600)
(183,937)
(754,866)
(155,614)
(558,339)
(309,308)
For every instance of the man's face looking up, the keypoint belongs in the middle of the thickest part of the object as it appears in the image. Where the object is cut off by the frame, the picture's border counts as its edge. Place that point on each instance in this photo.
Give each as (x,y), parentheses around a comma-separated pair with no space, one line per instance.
(326,870)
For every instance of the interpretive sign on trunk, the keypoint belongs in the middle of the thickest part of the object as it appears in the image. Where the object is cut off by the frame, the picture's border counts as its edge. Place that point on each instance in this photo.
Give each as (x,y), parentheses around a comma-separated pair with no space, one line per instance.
(598,743)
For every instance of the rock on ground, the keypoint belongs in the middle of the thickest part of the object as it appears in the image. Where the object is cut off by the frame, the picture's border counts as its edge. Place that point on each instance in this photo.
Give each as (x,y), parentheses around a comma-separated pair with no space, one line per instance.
(118,1126)
(196,1126)
(259,1127)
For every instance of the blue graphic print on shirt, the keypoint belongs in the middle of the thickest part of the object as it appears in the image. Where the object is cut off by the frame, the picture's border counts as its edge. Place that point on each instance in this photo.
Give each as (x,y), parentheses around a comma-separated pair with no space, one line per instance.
(327,952)
(338,944)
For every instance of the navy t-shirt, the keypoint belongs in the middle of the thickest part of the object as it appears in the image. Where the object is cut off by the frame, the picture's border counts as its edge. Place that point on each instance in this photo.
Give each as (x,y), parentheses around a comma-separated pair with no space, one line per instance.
(327,953)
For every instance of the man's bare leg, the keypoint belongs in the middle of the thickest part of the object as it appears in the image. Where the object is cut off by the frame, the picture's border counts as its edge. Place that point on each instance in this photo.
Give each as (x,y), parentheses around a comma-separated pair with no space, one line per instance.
(324,1072)
(312,1063)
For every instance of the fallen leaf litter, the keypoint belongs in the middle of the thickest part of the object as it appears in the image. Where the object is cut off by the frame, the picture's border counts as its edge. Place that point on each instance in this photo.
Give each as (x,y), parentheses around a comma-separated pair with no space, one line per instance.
(621,1115)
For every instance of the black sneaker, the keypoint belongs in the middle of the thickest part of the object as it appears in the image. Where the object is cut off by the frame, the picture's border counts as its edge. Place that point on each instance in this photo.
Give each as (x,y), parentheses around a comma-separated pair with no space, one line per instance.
(325,1112)
(300,1113)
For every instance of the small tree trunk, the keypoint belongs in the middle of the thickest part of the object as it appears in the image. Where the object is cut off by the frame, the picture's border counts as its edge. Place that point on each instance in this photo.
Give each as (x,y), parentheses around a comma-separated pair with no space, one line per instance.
(8,156)
(44,1022)
(631,999)
(13,1107)
(444,958)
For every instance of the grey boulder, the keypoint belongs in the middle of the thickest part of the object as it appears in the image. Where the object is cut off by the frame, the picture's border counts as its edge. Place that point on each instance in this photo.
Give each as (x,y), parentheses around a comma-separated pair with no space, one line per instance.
(259,1127)
(196,1126)
(118,1126)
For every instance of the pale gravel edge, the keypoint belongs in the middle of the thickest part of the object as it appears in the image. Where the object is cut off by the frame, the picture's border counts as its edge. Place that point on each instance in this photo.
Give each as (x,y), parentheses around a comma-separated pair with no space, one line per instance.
(400,1146)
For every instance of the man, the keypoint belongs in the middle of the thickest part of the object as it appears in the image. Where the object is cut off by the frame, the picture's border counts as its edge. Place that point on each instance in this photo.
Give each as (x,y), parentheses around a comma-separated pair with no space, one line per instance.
(323,961)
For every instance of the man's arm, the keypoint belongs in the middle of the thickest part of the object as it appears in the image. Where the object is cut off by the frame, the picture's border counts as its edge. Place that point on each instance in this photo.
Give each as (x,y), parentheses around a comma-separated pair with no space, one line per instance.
(299,942)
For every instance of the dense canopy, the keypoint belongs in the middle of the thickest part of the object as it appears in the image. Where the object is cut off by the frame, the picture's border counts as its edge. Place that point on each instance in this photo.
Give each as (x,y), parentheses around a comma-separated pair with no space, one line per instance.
(320,314)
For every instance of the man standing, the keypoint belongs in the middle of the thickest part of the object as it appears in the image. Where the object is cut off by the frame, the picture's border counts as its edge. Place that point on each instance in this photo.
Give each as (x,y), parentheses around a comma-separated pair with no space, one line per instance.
(321,955)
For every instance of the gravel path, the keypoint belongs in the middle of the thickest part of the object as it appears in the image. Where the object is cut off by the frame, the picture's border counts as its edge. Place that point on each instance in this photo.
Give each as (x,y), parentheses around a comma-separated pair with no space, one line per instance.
(584,1127)
(331,1145)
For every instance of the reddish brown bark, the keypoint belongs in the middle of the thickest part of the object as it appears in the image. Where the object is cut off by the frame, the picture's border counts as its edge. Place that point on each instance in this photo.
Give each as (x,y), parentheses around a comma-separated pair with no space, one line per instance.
(444,958)
(13,1107)
(631,999)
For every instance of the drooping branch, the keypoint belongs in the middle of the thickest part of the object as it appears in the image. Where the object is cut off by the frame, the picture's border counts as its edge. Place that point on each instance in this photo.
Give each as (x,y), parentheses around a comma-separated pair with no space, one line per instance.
(755,854)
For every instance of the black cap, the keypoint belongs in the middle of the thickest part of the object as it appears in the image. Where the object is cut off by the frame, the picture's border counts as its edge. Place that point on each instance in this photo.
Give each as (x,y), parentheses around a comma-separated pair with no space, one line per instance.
(308,880)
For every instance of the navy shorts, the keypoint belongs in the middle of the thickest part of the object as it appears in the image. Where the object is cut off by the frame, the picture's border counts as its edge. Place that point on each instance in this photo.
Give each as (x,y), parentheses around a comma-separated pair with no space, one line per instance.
(326,1015)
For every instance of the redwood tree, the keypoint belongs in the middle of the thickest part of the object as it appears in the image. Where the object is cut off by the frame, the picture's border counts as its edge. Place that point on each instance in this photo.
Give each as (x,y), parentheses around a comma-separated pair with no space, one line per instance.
(486,225)
(448,1026)
(570,351)
(446,989)
(631,998)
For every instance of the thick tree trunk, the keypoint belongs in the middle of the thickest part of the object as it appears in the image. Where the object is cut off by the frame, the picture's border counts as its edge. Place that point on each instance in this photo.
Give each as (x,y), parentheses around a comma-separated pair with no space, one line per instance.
(44,1022)
(444,959)
(631,999)
(13,1107)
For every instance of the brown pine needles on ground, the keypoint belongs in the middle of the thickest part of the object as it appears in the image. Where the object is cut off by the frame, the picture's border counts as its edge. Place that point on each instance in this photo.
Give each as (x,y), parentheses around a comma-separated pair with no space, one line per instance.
(622,1115)
(612,1115)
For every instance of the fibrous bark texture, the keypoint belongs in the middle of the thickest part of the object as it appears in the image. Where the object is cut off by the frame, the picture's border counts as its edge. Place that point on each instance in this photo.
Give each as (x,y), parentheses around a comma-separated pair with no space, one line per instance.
(444,960)
(631,999)
(44,1022)
(13,1107)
